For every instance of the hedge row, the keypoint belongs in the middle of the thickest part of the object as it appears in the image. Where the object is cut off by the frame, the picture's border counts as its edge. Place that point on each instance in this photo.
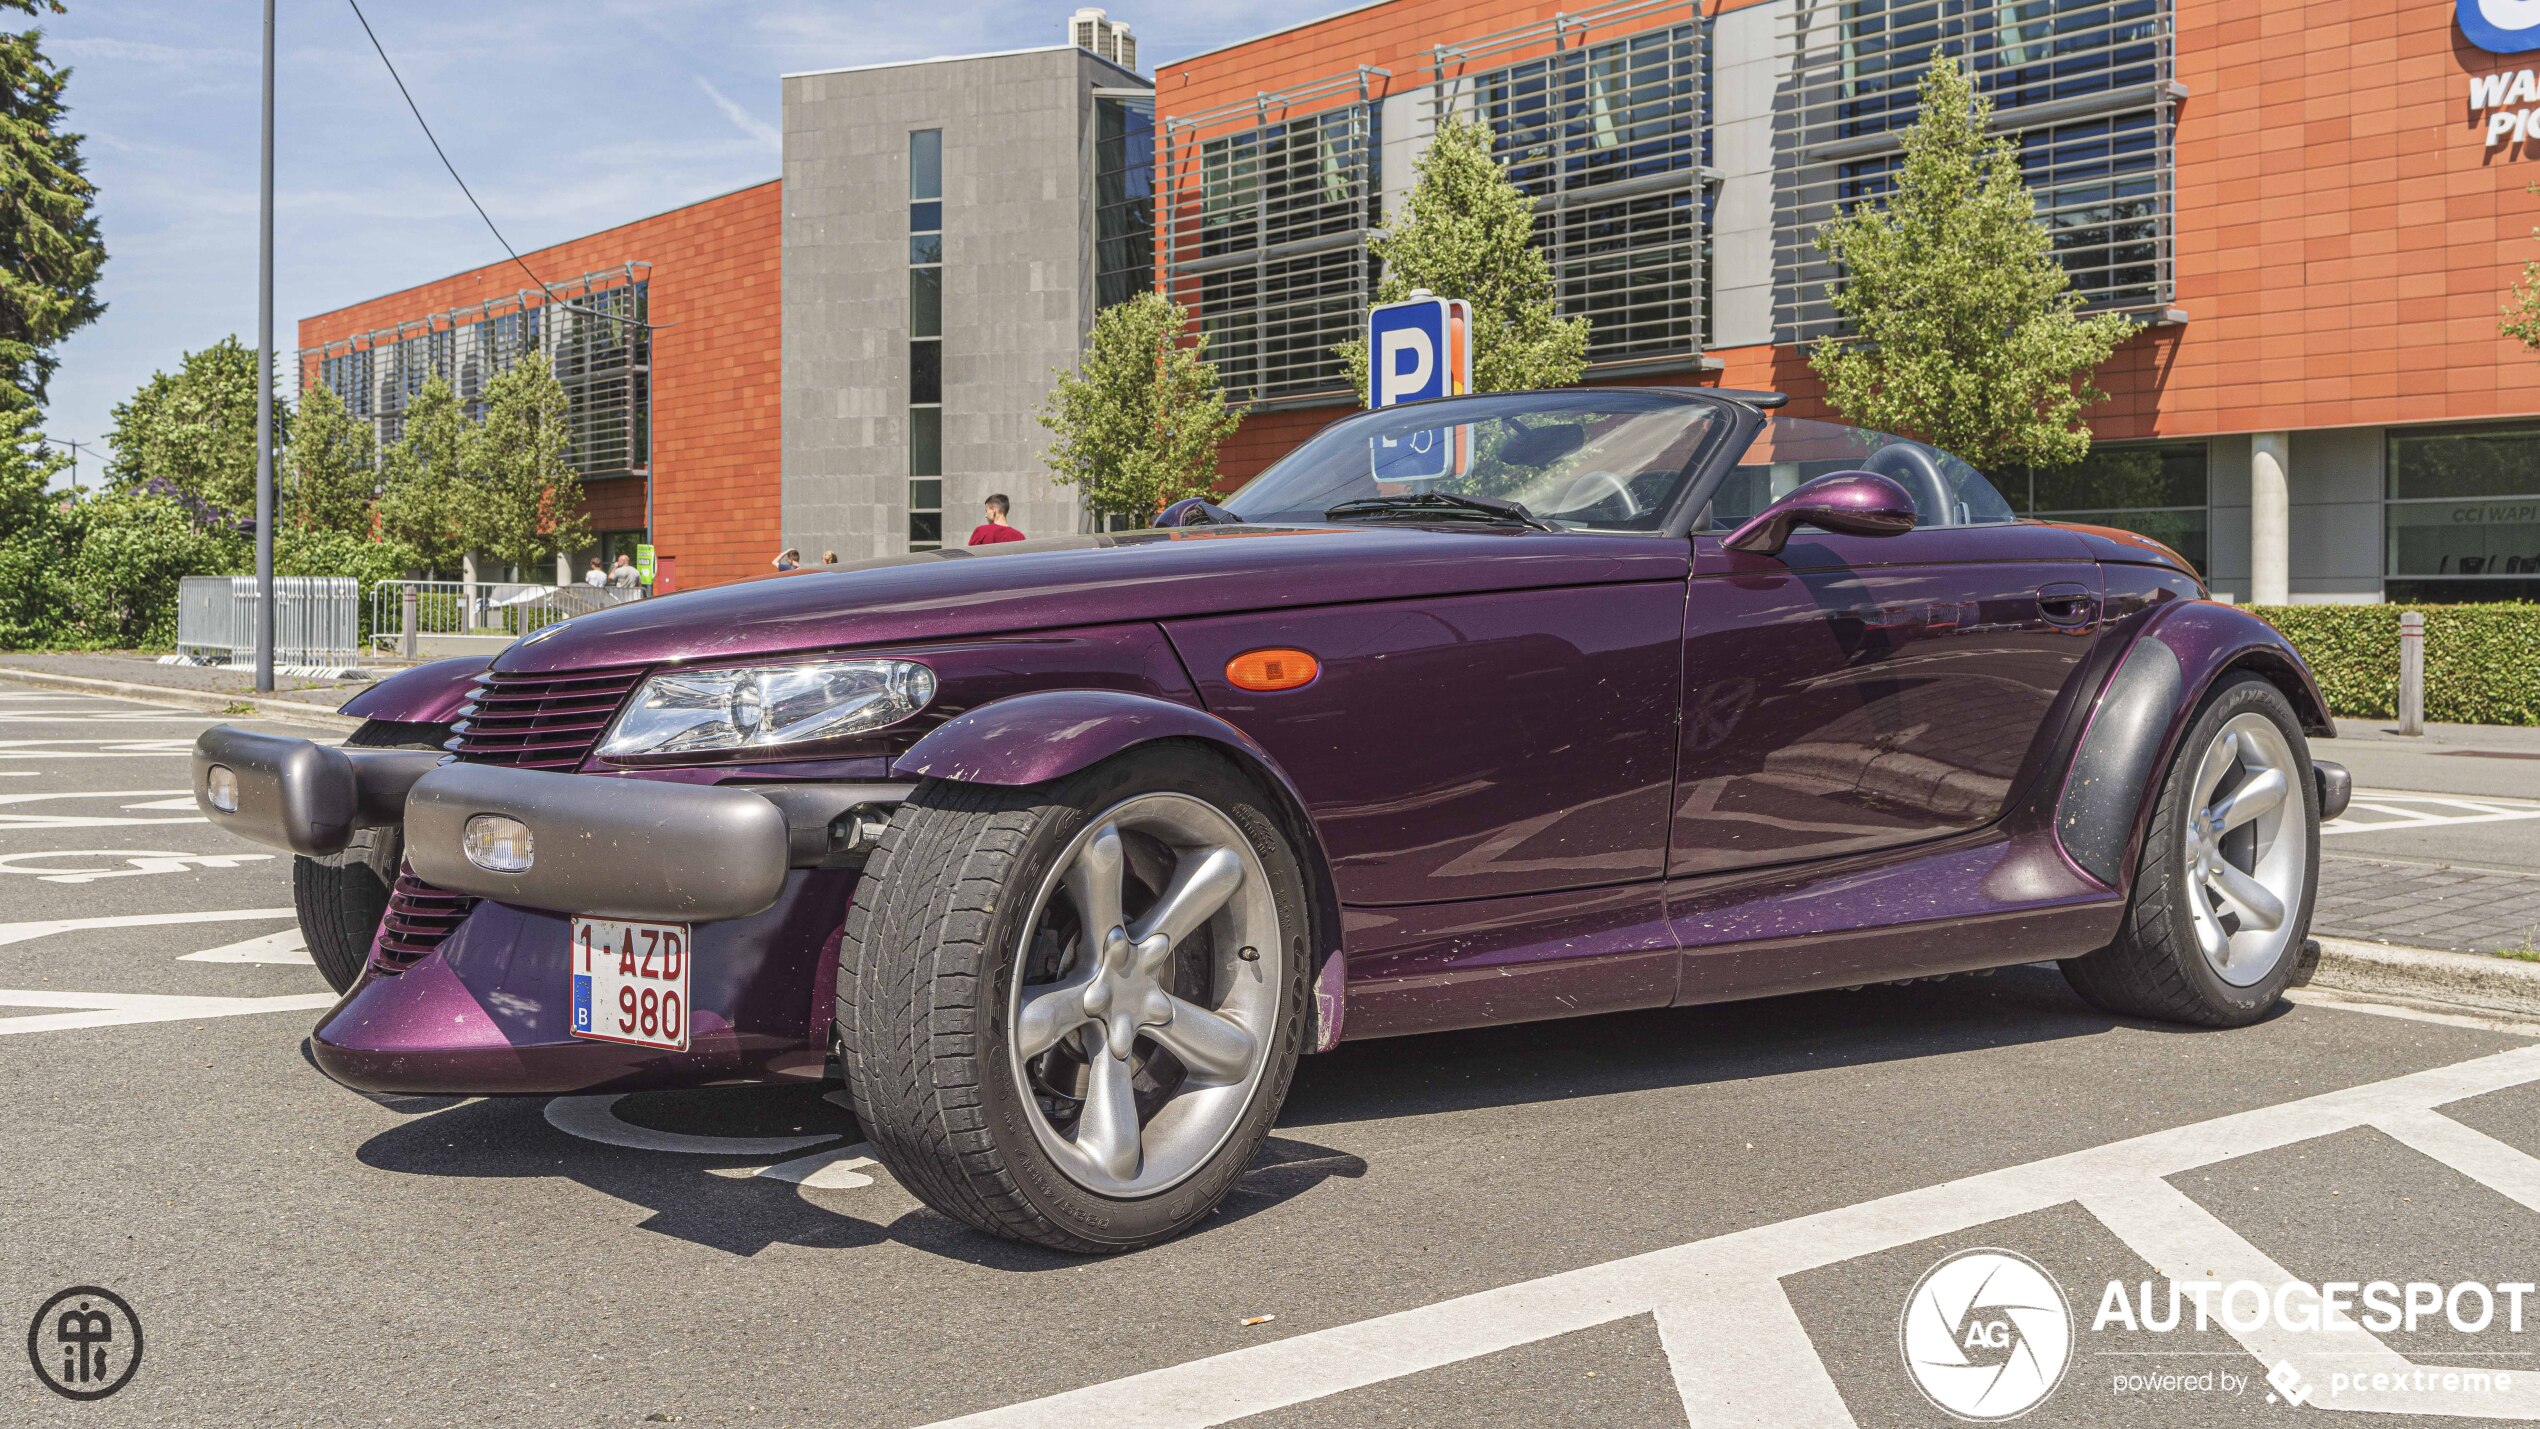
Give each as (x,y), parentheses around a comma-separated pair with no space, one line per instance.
(2482,662)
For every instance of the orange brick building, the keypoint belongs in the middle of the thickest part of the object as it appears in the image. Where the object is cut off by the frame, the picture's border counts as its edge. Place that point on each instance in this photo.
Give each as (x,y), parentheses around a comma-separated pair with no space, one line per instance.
(684,416)
(2314,206)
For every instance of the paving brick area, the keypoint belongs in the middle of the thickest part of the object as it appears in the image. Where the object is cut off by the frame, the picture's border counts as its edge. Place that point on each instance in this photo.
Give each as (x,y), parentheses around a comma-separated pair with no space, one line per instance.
(2427,905)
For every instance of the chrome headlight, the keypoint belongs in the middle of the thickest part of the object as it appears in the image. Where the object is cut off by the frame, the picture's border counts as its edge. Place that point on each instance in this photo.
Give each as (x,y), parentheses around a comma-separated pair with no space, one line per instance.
(767,706)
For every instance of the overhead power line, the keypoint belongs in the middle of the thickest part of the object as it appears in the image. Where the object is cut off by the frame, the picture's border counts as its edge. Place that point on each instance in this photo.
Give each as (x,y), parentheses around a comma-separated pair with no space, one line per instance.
(443,155)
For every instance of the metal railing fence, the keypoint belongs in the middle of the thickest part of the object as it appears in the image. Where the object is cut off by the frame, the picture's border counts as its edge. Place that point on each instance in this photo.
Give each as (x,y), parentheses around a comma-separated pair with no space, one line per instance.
(316,619)
(402,612)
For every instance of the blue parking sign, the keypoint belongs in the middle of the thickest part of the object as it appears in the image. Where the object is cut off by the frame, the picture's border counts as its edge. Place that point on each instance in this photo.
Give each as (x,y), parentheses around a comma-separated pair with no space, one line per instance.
(1418,349)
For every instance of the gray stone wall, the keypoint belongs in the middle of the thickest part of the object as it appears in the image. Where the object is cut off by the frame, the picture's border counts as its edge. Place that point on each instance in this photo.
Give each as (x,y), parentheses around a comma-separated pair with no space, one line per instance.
(1017,238)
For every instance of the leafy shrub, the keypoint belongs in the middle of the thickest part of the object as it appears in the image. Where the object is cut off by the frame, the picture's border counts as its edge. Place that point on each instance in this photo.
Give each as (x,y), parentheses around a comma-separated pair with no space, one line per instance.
(131,550)
(2482,662)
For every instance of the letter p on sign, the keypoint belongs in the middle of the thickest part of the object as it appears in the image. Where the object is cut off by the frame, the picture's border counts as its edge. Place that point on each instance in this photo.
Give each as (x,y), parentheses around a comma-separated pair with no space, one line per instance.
(1417,349)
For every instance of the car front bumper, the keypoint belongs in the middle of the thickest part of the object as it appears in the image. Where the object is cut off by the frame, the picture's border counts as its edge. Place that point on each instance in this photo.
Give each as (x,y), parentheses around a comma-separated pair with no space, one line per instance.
(762,873)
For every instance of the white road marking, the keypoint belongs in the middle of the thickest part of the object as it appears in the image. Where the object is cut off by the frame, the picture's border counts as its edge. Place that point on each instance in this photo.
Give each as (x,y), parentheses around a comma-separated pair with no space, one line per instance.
(142,863)
(116,1009)
(154,799)
(595,1118)
(2399,810)
(1780,1380)
(840,1168)
(285,947)
(23,932)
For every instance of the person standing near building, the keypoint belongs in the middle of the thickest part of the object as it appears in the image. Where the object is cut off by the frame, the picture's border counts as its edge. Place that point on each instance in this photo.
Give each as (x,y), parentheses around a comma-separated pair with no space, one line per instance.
(790,558)
(595,577)
(624,578)
(995,529)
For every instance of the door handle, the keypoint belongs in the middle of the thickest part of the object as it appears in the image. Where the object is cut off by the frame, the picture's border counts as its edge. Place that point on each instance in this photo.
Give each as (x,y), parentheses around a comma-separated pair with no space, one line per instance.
(2067,603)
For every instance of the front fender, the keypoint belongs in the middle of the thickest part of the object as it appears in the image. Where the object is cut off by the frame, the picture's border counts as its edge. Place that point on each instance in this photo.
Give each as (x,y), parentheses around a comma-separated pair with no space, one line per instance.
(1050,734)
(2144,711)
(430,693)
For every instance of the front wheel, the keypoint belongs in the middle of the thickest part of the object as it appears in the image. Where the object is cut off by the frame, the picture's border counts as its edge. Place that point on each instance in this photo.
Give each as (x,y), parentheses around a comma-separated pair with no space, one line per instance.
(1069,1013)
(2223,890)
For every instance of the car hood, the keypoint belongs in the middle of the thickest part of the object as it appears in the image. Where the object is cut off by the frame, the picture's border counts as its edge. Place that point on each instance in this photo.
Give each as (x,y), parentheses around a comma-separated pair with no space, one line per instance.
(1086,580)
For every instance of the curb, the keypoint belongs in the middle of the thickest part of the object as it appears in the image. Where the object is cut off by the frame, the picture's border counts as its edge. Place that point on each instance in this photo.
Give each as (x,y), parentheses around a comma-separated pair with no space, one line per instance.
(213,700)
(2478,982)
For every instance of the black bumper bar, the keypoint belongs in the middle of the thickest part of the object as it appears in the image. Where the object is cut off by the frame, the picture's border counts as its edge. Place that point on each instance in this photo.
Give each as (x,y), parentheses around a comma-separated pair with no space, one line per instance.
(308,798)
(611,847)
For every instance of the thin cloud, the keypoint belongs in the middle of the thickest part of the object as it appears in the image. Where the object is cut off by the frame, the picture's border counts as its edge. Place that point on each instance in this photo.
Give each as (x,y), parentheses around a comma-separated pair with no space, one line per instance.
(742,119)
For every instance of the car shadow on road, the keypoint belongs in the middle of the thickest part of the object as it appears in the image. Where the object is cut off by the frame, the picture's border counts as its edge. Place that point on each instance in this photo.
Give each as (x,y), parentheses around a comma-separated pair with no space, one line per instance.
(710,1200)
(1689,1046)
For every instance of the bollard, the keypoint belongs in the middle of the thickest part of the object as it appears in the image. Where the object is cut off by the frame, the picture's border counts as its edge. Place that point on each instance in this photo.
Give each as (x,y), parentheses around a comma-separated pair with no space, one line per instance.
(2411,673)
(406,622)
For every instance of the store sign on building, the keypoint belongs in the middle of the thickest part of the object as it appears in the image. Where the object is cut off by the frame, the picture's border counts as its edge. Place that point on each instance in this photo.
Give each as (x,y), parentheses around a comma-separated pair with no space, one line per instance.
(2501,27)
(2509,102)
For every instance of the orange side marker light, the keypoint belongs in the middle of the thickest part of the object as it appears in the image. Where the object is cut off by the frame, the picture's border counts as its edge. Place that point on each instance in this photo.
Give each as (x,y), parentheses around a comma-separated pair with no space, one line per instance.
(1264,671)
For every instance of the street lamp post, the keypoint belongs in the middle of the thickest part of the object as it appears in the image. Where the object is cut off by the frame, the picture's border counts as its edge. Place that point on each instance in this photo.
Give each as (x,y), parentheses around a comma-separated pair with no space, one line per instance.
(264,387)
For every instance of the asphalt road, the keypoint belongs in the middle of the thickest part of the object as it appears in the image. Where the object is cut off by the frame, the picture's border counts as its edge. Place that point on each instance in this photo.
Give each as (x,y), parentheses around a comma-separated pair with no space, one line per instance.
(1596,1222)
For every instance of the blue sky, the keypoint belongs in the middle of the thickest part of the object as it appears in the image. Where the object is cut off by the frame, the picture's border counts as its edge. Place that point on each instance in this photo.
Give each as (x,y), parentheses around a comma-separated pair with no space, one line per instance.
(565,116)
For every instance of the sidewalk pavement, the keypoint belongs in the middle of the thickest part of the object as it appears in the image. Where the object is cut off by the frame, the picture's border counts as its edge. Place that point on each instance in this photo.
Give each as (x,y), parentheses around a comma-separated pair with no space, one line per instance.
(135,667)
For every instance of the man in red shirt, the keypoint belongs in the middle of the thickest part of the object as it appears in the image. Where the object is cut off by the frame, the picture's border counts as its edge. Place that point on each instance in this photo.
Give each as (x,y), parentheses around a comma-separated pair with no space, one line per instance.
(995,529)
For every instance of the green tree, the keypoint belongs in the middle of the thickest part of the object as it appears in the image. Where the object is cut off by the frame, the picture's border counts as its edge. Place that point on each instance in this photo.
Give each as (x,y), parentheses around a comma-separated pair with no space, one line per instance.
(1467,232)
(525,498)
(196,429)
(330,475)
(132,548)
(34,535)
(2522,313)
(1964,330)
(50,251)
(424,492)
(1140,420)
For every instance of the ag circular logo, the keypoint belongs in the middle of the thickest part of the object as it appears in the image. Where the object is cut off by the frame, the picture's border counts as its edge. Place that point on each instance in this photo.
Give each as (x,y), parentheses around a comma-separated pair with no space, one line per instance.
(85,1343)
(2501,27)
(1987,1334)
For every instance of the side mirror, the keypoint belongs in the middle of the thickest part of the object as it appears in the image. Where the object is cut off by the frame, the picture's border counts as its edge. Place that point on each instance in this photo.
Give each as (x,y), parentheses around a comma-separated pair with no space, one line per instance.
(1848,503)
(1196,511)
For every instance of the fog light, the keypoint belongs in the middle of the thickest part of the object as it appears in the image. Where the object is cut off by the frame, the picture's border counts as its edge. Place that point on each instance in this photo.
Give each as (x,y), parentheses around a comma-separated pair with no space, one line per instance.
(497,844)
(220,786)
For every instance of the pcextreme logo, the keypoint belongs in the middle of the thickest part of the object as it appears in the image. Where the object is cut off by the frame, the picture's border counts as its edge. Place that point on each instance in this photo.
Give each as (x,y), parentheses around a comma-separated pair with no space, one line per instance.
(2502,27)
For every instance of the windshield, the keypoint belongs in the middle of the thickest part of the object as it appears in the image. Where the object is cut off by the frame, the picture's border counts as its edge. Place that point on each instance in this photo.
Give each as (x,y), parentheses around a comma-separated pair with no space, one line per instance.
(1590,461)
(1790,451)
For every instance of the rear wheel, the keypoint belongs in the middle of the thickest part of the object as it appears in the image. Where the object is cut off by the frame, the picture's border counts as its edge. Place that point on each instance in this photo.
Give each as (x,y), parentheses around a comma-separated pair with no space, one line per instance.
(1069,1013)
(2223,890)
(341,898)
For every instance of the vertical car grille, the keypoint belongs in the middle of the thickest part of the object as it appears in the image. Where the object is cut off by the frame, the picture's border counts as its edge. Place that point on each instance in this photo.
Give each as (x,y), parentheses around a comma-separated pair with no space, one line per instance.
(539,721)
(419,917)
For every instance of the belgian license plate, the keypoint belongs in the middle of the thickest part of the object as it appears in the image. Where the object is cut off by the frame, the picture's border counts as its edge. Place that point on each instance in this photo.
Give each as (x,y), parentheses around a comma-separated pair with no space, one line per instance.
(630,983)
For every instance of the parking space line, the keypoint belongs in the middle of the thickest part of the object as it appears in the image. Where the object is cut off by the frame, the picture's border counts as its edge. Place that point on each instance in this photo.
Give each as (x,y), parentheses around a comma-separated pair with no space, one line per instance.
(115,1009)
(2502,1169)
(2125,1176)
(46,927)
(285,947)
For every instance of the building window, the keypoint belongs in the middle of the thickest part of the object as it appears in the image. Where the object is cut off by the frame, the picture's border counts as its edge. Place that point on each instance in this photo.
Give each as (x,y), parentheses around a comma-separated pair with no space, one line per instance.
(925,339)
(1607,136)
(602,355)
(2463,515)
(2163,490)
(2094,74)
(1124,199)
(1266,235)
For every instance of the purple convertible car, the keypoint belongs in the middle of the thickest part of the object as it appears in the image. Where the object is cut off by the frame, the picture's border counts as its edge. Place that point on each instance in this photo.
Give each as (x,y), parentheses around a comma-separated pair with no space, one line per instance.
(1470,711)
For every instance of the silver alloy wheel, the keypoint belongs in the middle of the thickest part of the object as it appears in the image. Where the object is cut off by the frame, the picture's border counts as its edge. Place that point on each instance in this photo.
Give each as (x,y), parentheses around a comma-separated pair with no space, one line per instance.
(2247,849)
(1158,932)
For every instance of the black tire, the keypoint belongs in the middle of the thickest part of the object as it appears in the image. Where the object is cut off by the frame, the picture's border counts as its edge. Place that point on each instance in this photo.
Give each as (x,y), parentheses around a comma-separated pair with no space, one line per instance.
(926,972)
(341,898)
(2154,968)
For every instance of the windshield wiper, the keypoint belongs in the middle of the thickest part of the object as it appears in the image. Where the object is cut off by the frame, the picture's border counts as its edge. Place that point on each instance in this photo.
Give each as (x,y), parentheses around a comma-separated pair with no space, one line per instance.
(1440,504)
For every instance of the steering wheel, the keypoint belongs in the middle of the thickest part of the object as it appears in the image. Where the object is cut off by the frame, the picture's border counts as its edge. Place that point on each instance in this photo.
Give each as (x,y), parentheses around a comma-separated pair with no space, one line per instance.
(1578,499)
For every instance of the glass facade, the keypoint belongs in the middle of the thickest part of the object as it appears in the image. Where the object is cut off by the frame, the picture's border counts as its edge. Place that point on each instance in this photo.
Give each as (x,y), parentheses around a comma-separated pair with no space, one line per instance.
(594,338)
(1266,243)
(925,339)
(1124,198)
(1609,136)
(2461,521)
(2082,87)
(2163,490)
